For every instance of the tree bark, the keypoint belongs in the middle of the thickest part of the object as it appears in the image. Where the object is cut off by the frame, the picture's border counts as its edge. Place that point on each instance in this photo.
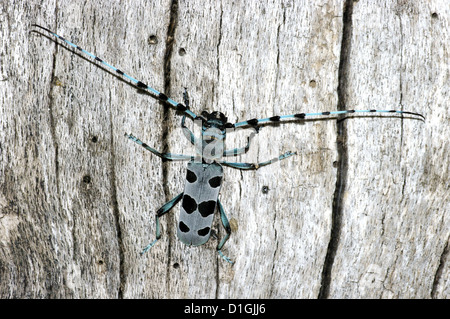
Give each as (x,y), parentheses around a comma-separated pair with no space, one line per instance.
(360,212)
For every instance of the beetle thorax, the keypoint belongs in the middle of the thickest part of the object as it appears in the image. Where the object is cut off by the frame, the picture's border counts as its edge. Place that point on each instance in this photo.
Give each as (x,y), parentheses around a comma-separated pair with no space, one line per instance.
(214,127)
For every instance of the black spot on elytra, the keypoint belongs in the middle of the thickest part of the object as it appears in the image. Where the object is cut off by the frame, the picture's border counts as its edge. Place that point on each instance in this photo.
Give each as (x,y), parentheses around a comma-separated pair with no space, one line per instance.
(189,204)
(190,176)
(215,181)
(183,227)
(207,208)
(204,231)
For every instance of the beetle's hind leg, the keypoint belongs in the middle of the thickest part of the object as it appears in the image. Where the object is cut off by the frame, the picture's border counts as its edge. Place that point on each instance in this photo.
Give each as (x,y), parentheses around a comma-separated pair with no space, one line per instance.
(164,209)
(227,227)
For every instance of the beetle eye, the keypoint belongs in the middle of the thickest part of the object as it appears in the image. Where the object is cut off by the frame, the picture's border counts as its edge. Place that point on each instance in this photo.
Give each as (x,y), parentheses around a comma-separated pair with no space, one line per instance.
(205,114)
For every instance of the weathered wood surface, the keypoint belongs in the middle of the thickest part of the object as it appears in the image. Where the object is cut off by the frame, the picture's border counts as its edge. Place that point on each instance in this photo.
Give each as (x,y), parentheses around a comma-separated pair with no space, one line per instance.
(77,200)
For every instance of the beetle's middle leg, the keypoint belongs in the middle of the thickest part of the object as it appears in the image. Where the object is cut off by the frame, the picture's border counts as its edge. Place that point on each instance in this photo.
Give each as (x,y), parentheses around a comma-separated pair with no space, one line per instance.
(250,166)
(164,156)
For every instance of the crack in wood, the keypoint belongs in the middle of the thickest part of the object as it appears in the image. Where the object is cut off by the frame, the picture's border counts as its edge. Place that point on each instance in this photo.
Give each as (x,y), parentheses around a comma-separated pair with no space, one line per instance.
(341,178)
(166,127)
(439,270)
(116,211)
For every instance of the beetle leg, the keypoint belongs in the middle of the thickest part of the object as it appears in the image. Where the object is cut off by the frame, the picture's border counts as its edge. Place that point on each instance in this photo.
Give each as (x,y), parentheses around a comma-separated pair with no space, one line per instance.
(164,209)
(227,227)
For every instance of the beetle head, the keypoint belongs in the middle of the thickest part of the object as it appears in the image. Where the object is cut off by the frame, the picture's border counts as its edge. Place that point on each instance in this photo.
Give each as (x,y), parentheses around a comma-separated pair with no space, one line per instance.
(215,119)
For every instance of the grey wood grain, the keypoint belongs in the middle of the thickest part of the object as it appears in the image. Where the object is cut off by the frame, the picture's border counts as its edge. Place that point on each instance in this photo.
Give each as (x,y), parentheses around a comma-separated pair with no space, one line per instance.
(360,212)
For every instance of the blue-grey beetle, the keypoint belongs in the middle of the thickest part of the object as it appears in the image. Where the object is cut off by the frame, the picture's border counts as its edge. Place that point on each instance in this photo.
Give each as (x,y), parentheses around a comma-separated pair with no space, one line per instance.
(200,198)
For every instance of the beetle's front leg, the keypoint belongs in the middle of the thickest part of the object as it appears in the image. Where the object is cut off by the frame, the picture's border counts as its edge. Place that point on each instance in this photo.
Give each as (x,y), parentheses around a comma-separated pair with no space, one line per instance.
(242,150)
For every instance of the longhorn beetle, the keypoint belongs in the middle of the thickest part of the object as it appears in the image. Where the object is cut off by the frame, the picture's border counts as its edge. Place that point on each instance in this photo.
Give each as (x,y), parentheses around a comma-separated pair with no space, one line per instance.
(200,197)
